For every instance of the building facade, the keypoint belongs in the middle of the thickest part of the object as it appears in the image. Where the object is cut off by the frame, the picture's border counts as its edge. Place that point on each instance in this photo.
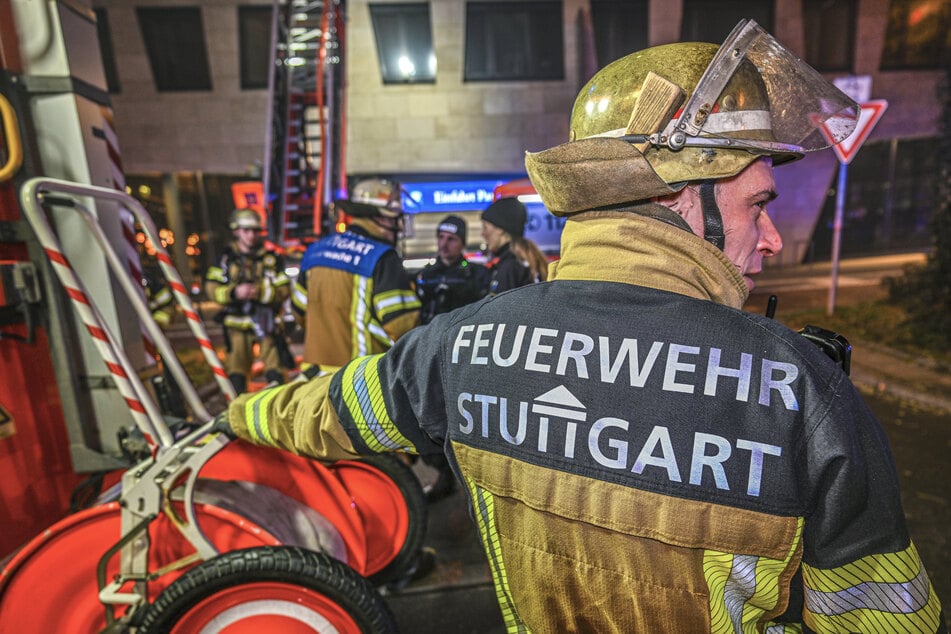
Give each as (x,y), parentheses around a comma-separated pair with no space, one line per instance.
(496,79)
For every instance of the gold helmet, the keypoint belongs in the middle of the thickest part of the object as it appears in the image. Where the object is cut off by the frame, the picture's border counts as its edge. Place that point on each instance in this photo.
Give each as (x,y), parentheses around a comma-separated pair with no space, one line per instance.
(651,121)
(245,219)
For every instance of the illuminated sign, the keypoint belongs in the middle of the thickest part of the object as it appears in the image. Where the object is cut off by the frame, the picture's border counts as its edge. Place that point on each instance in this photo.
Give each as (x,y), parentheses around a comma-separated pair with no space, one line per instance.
(448,196)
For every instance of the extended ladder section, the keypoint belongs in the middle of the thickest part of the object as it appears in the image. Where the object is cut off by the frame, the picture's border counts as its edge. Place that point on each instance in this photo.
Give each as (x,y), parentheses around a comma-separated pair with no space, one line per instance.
(305,111)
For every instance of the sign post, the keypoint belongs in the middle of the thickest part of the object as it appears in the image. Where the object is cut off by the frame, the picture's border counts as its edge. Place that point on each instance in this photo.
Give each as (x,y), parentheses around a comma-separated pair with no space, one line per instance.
(869,115)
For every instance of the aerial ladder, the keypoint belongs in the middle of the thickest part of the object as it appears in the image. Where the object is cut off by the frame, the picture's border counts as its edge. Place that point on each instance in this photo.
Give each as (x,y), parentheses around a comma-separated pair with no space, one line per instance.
(304,163)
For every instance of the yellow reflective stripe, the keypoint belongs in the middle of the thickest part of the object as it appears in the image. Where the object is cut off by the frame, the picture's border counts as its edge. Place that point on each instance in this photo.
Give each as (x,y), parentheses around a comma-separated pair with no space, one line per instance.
(256,418)
(280,280)
(360,316)
(223,294)
(216,274)
(299,298)
(163,297)
(395,301)
(162,318)
(363,396)
(744,587)
(888,592)
(483,506)
(238,322)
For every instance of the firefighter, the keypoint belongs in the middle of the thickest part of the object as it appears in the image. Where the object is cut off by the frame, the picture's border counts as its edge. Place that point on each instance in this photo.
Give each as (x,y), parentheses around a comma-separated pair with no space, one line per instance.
(160,299)
(250,283)
(353,293)
(640,454)
(516,260)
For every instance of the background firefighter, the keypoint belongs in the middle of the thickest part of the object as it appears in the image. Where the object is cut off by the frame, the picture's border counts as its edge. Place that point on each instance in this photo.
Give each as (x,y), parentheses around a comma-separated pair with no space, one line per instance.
(249,282)
(353,293)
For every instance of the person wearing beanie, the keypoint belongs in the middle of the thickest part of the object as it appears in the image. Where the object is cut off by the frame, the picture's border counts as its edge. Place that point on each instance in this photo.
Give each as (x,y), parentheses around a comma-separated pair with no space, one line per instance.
(516,261)
(451,281)
(443,286)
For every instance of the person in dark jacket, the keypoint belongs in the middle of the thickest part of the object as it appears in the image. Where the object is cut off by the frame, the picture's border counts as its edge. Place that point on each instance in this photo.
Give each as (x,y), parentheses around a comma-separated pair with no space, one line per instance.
(516,260)
(641,454)
(443,286)
(451,281)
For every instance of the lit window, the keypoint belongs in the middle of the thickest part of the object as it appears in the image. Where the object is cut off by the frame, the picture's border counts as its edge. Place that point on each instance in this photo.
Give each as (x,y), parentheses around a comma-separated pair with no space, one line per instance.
(254,45)
(175,43)
(514,41)
(918,36)
(404,43)
(713,20)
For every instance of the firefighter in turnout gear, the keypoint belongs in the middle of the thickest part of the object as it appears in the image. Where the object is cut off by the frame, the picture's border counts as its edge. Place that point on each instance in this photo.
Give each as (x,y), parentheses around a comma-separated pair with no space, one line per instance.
(353,293)
(250,284)
(640,454)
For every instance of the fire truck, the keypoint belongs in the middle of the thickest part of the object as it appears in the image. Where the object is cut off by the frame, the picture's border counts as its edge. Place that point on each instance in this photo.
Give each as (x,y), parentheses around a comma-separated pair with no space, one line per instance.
(116,515)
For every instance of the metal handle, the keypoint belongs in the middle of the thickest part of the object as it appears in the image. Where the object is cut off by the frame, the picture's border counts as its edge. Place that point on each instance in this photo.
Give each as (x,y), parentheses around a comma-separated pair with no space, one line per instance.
(11,131)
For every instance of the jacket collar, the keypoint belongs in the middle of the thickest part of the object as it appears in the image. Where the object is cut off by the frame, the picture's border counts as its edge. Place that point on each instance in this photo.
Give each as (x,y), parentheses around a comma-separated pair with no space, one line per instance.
(644,246)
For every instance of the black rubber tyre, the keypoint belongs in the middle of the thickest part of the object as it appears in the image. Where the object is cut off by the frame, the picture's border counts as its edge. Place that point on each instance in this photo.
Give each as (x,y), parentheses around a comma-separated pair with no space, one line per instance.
(407,482)
(266,572)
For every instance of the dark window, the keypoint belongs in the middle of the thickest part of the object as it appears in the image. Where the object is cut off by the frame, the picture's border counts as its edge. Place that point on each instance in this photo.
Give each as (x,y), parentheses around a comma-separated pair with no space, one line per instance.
(620,27)
(889,203)
(830,33)
(508,41)
(175,43)
(404,43)
(712,20)
(106,51)
(254,45)
(918,36)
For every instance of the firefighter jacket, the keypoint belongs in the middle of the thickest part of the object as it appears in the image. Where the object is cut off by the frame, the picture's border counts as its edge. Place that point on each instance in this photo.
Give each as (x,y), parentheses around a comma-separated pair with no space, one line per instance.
(507,271)
(265,269)
(354,296)
(639,454)
(160,299)
(443,288)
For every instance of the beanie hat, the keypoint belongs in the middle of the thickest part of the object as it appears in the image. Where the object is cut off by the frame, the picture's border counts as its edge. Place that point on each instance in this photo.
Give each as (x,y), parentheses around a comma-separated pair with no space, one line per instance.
(507,214)
(454,225)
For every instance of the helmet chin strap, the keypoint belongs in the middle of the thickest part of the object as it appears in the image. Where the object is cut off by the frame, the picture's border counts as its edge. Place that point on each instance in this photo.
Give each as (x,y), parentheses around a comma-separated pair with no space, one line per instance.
(712,220)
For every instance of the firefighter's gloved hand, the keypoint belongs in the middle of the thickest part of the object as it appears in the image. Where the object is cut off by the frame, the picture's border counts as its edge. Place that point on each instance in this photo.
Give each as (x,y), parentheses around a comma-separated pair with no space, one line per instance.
(221,425)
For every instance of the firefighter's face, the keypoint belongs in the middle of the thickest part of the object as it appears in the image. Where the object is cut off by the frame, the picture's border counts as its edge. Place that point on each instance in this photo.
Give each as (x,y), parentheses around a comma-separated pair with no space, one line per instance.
(449,246)
(749,231)
(248,238)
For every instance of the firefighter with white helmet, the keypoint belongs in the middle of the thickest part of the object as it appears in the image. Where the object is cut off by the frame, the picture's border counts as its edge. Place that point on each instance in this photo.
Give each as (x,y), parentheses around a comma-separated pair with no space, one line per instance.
(639,453)
(249,282)
(353,293)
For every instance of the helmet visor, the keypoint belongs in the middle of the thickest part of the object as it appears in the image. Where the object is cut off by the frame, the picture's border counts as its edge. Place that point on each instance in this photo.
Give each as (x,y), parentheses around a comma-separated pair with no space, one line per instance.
(806,112)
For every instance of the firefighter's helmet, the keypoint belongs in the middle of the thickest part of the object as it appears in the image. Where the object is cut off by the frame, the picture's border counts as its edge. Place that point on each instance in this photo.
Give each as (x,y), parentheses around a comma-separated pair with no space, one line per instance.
(375,206)
(654,120)
(382,193)
(245,219)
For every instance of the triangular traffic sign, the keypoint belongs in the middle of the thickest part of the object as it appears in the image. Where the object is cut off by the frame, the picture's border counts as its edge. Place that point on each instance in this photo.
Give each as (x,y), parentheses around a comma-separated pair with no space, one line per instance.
(871,112)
